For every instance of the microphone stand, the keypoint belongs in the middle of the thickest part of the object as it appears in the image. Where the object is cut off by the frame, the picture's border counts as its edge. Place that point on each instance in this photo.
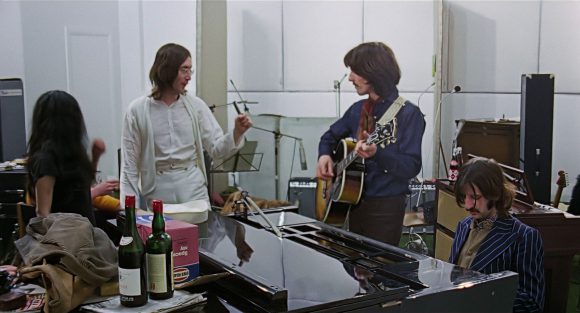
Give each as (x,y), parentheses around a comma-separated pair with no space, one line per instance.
(234,103)
(277,136)
(249,203)
(438,146)
(337,84)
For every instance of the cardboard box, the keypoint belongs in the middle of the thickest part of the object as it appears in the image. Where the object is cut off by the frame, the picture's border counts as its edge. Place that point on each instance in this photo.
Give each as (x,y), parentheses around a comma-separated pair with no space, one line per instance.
(185,246)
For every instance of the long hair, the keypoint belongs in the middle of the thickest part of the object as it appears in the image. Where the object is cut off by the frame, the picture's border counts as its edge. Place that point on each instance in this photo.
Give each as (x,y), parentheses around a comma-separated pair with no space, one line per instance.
(166,67)
(488,176)
(58,128)
(375,62)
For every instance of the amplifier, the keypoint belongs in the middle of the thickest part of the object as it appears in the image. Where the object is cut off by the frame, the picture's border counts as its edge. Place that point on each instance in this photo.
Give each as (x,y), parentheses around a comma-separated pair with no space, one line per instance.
(422,196)
(302,193)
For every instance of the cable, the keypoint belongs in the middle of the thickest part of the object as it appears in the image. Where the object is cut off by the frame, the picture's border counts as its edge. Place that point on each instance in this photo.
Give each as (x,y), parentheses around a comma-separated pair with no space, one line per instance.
(422,93)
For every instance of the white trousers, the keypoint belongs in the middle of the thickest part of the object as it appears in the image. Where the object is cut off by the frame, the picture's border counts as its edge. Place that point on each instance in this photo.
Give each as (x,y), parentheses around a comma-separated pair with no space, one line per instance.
(178,185)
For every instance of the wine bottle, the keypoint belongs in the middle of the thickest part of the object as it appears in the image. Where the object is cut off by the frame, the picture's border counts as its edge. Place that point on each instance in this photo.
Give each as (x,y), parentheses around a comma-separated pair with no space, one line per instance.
(454,166)
(132,271)
(159,257)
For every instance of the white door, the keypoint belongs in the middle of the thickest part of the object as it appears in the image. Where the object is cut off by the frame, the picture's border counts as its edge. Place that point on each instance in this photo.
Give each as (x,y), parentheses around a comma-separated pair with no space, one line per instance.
(74,46)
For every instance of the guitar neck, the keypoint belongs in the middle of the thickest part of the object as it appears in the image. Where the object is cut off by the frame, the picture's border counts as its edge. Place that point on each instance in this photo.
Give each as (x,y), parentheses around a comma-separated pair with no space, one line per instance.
(562,183)
(557,196)
(346,162)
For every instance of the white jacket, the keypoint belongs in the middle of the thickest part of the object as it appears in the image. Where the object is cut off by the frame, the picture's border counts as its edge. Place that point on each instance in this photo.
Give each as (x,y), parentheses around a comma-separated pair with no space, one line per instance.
(138,150)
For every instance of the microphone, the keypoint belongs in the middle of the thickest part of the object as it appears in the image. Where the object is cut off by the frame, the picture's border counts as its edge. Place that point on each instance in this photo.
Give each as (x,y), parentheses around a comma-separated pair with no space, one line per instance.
(237,108)
(302,153)
(456,89)
(338,82)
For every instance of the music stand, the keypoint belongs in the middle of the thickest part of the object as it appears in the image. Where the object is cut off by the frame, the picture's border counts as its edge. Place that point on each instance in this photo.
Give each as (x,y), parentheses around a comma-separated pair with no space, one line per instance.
(245,160)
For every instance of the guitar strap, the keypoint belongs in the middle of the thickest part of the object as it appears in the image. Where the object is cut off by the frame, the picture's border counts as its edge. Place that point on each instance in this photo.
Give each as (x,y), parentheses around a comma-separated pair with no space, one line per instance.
(391,113)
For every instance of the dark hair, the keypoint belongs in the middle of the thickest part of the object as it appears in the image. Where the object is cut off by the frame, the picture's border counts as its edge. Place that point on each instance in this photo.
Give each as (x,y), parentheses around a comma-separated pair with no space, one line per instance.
(166,67)
(486,175)
(375,62)
(58,128)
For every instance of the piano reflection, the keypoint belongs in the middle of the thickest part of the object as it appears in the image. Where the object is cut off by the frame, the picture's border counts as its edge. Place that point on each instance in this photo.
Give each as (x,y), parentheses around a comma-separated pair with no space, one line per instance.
(314,267)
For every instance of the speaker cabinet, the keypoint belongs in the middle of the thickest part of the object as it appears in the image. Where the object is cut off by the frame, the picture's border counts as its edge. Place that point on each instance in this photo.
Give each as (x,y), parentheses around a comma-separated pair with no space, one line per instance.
(302,193)
(536,130)
(12,129)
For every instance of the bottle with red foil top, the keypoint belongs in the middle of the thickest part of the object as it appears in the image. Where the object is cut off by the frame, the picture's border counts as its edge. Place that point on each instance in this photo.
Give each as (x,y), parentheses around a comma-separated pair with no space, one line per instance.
(132,271)
(454,165)
(159,257)
(459,157)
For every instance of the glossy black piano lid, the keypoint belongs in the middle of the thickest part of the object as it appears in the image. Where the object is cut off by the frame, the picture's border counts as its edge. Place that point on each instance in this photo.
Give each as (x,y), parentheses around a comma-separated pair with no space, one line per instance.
(293,272)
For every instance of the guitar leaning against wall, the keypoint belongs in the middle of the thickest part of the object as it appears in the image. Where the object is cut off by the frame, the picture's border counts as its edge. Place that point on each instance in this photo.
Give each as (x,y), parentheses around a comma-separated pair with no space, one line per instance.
(334,197)
(562,183)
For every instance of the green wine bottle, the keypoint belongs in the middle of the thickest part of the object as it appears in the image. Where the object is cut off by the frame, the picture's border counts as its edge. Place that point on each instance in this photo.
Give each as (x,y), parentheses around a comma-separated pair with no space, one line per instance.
(159,257)
(132,271)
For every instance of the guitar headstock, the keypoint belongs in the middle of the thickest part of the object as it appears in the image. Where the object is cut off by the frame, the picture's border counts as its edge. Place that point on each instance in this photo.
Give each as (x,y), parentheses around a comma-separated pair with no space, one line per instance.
(383,133)
(562,179)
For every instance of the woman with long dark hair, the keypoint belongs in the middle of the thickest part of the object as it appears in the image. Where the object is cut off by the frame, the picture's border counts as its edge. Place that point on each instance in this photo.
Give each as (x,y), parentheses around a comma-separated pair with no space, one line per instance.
(60,172)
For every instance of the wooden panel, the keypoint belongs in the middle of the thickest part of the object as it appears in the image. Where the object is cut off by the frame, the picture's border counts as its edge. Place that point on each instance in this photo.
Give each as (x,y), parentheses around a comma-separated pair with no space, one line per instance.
(414,50)
(448,212)
(483,55)
(255,45)
(443,246)
(497,140)
(558,17)
(316,37)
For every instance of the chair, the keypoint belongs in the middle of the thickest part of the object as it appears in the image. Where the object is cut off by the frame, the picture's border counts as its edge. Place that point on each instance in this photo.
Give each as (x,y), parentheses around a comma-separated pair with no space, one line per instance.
(24,212)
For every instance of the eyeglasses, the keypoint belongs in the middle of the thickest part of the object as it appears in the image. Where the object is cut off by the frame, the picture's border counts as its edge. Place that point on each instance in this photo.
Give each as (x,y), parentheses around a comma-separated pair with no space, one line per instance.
(186,71)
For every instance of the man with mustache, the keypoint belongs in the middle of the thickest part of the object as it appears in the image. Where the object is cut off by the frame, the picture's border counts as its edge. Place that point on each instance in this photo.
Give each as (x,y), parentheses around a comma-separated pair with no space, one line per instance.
(491,240)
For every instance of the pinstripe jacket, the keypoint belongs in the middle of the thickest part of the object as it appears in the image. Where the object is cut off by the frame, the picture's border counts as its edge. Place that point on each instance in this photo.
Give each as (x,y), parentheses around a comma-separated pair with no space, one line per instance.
(514,246)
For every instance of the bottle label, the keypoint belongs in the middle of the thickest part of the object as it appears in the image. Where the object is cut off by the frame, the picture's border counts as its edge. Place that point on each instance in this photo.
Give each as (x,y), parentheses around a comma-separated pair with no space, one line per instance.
(125,241)
(157,273)
(130,281)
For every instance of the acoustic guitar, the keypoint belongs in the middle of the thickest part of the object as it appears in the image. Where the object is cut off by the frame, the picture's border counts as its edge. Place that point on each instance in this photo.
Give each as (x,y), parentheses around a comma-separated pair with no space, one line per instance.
(334,197)
(562,182)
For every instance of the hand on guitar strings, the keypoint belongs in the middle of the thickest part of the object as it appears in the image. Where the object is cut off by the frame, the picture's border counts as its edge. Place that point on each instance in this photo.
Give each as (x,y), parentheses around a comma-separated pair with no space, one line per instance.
(363,149)
(324,167)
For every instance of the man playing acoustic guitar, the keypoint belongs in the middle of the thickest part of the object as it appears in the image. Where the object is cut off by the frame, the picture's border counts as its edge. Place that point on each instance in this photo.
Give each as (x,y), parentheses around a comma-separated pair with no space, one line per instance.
(372,174)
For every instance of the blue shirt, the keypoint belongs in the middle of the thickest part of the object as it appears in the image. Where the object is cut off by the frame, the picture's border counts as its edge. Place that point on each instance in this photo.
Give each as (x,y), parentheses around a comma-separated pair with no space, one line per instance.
(388,172)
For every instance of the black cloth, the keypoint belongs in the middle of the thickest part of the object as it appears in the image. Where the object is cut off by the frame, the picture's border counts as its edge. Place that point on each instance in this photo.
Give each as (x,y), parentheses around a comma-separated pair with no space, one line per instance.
(72,187)
(574,207)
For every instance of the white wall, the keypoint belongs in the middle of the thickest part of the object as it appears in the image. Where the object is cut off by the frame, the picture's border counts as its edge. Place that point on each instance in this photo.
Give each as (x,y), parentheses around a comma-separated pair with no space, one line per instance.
(99,51)
(11,60)
(287,54)
(492,43)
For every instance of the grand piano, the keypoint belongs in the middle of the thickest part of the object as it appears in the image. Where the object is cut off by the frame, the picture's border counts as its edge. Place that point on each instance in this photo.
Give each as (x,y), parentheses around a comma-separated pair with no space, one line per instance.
(285,262)
(559,231)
